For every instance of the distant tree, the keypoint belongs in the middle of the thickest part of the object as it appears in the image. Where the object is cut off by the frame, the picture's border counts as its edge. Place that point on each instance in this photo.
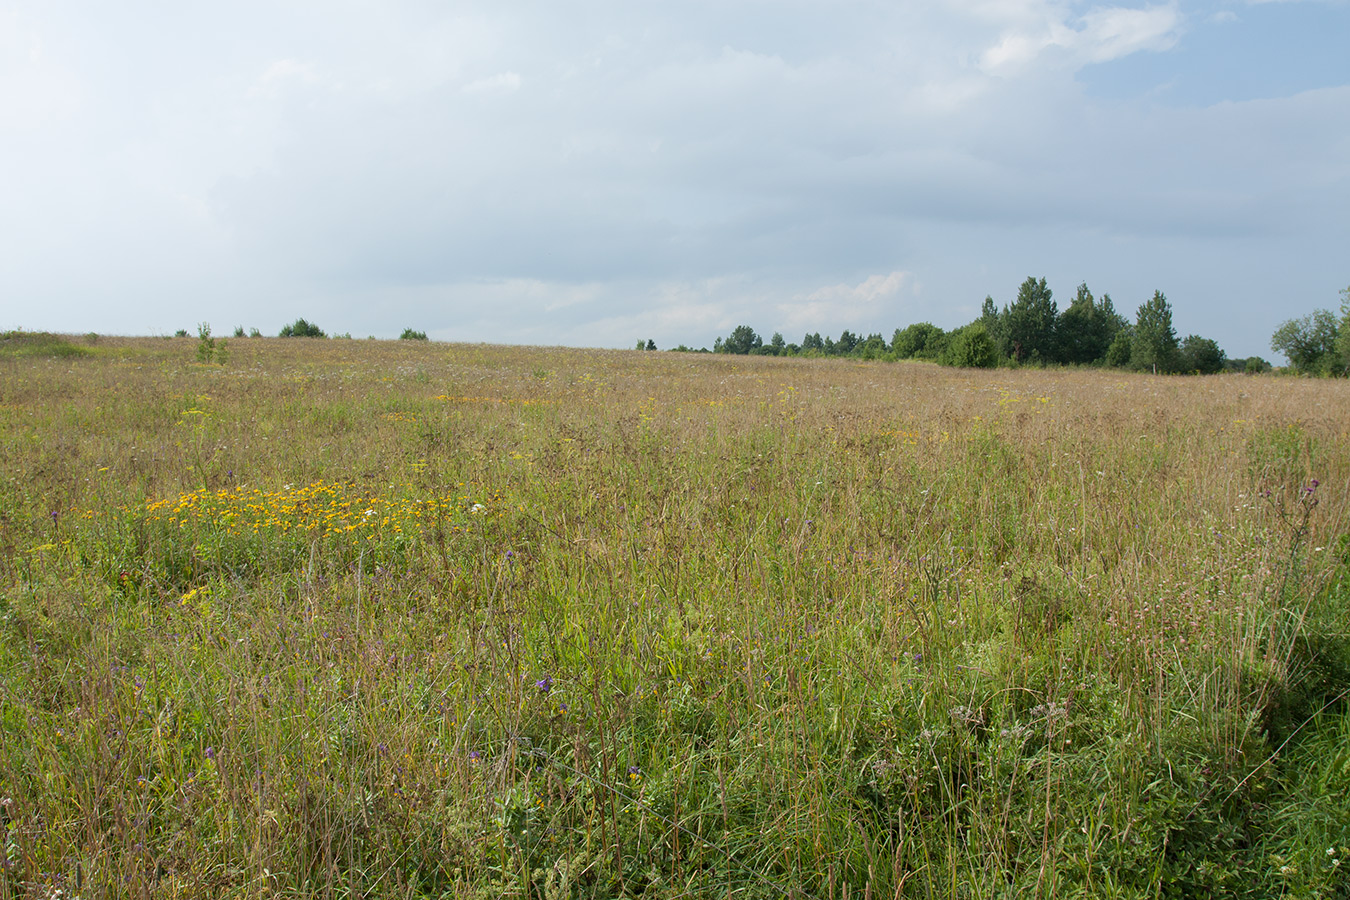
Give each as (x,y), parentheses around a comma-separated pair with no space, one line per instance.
(1343,335)
(206,345)
(1032,324)
(253,332)
(182,332)
(301,328)
(813,342)
(239,331)
(971,347)
(1255,365)
(741,341)
(1119,353)
(651,344)
(994,321)
(1201,356)
(914,340)
(873,347)
(1154,344)
(1087,328)
(846,343)
(1310,343)
(410,335)
(777,346)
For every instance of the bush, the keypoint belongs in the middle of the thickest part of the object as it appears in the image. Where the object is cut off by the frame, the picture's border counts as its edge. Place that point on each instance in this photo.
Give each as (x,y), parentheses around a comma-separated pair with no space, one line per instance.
(301,328)
(971,347)
(410,335)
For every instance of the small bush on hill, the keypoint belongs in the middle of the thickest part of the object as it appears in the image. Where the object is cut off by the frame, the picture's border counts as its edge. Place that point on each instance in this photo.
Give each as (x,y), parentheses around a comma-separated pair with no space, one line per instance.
(301,328)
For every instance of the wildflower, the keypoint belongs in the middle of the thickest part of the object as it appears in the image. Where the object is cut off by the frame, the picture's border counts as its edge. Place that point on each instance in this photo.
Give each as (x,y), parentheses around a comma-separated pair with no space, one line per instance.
(475,756)
(210,752)
(634,773)
(544,684)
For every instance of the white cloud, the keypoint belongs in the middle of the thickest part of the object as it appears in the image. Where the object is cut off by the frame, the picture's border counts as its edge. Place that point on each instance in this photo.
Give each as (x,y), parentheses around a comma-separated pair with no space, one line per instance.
(863,305)
(284,72)
(669,170)
(501,83)
(1099,35)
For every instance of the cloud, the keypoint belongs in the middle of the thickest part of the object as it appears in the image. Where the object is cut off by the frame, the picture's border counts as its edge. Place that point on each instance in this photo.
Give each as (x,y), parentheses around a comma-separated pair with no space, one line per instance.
(864,304)
(581,173)
(501,83)
(1099,35)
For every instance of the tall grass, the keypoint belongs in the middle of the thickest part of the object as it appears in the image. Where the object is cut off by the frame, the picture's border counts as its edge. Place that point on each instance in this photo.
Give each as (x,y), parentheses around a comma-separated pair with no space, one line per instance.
(398,619)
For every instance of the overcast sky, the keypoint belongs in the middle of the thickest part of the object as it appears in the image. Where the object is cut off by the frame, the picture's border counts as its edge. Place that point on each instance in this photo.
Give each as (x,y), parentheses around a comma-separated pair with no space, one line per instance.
(593,172)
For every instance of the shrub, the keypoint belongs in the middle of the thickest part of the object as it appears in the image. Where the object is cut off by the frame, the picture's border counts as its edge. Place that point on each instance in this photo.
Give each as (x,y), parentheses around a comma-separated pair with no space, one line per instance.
(301,328)
(410,335)
(971,348)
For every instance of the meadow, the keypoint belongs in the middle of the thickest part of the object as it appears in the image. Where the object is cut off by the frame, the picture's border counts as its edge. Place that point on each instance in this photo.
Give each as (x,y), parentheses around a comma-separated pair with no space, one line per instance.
(348,618)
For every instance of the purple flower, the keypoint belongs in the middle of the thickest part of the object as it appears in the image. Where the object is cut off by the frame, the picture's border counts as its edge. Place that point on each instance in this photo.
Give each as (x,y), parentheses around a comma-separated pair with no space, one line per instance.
(544,684)
(210,752)
(474,756)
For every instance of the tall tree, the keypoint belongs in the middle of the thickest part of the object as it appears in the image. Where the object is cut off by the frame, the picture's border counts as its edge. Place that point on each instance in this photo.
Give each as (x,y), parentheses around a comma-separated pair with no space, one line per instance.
(994,322)
(916,340)
(1154,344)
(1032,324)
(741,341)
(1343,334)
(1200,355)
(1086,328)
(1310,343)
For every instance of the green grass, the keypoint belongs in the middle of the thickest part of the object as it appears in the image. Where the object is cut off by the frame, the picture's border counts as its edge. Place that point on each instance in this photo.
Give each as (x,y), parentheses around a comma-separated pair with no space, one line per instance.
(406,619)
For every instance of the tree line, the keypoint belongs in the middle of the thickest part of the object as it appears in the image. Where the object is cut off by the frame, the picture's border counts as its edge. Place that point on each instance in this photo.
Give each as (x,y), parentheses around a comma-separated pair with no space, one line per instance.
(1318,343)
(1031,330)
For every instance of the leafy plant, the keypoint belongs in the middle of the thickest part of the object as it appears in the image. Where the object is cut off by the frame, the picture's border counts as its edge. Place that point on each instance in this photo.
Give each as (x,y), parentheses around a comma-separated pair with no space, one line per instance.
(302,328)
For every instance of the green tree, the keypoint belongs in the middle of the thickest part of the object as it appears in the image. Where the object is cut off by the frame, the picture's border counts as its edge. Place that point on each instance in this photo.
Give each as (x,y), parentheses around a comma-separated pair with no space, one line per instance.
(301,328)
(1032,324)
(1154,344)
(1311,343)
(1201,356)
(874,347)
(971,347)
(1343,335)
(1121,349)
(206,345)
(410,335)
(1087,328)
(995,322)
(914,341)
(741,341)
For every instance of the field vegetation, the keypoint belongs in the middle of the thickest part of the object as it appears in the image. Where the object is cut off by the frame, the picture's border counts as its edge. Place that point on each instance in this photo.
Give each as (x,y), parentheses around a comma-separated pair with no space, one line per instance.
(407,619)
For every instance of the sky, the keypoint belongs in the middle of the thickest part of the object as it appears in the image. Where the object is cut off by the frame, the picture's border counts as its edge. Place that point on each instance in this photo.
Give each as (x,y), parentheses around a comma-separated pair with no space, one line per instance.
(599,172)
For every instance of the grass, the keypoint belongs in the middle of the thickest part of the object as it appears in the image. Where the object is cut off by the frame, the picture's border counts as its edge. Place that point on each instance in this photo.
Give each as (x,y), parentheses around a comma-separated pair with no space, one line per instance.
(417,620)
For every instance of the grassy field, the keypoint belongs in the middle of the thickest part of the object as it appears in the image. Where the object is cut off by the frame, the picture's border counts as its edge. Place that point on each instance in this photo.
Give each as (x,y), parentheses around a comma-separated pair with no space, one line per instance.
(394,619)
